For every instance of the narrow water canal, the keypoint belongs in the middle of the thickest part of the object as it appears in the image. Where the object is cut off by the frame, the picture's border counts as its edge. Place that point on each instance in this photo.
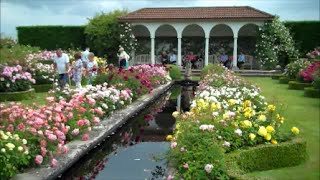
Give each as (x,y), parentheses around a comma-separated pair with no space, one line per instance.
(137,149)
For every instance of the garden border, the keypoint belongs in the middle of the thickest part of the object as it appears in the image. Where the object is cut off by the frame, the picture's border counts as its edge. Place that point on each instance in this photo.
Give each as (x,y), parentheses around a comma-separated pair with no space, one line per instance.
(79,148)
(17,95)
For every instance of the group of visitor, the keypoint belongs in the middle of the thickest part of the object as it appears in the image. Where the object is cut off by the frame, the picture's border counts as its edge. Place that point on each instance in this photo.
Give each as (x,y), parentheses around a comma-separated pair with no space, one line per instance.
(83,64)
(168,59)
(227,62)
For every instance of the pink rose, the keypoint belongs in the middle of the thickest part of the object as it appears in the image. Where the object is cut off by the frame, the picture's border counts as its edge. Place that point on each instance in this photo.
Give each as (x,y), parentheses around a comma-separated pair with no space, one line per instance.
(54,163)
(38,160)
(75,132)
(80,123)
(21,126)
(52,137)
(86,122)
(50,99)
(85,137)
(186,166)
(43,151)
(43,143)
(96,120)
(173,145)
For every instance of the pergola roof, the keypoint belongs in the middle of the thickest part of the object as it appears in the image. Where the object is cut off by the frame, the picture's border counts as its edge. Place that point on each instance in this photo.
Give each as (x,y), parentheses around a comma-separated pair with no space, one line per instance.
(197,13)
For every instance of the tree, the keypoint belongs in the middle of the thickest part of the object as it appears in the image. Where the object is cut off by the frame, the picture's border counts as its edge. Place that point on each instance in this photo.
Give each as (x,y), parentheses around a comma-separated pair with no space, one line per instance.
(103,34)
(275,45)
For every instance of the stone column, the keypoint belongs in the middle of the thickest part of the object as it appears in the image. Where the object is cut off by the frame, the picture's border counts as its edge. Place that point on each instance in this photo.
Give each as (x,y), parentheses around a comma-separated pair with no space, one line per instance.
(179,51)
(179,103)
(133,57)
(206,53)
(152,51)
(235,53)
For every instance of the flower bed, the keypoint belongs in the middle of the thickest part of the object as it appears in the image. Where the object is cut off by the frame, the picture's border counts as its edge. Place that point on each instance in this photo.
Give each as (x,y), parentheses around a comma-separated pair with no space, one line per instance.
(227,114)
(47,129)
(298,85)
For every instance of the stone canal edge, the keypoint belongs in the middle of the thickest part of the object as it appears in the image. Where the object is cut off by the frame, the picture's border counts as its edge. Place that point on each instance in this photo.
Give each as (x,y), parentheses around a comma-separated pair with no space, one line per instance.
(78,148)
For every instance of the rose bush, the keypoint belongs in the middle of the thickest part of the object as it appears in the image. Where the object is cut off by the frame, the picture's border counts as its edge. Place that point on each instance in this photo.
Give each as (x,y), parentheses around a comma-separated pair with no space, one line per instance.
(307,75)
(228,113)
(14,78)
(295,67)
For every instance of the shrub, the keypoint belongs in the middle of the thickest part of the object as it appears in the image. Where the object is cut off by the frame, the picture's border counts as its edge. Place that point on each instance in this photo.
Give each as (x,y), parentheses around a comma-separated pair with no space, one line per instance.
(305,34)
(298,85)
(307,74)
(14,79)
(311,92)
(174,71)
(42,87)
(212,68)
(277,76)
(283,80)
(106,40)
(275,45)
(295,67)
(16,54)
(315,54)
(17,96)
(52,37)
(316,80)
(7,42)
(266,157)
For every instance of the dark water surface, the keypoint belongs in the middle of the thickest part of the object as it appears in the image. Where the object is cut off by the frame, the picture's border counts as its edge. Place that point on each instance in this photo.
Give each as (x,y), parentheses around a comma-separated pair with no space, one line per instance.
(137,149)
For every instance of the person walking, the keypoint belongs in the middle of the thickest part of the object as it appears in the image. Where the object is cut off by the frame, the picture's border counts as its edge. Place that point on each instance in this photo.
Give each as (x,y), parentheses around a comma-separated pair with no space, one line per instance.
(92,68)
(77,70)
(84,56)
(61,65)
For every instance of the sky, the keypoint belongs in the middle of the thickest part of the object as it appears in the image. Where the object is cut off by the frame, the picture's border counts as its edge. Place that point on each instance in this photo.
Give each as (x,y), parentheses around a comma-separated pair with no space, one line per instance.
(76,12)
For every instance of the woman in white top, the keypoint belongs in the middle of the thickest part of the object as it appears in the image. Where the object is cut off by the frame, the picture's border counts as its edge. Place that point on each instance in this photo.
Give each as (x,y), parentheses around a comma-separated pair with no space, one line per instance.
(123,58)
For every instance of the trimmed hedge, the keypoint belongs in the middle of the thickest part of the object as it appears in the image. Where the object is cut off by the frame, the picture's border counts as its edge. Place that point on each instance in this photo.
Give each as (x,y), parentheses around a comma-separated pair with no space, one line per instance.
(312,92)
(52,37)
(298,85)
(266,157)
(277,76)
(284,80)
(42,87)
(305,33)
(17,96)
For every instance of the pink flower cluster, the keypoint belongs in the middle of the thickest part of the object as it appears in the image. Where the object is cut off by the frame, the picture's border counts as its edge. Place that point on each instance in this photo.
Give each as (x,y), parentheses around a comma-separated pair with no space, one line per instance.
(314,54)
(43,56)
(308,73)
(14,73)
(53,125)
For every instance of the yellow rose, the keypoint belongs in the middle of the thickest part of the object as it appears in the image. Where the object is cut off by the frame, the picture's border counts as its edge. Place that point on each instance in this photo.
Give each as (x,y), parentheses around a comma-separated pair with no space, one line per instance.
(10,146)
(246,123)
(175,114)
(213,106)
(262,118)
(270,129)
(225,116)
(177,126)
(24,141)
(268,137)
(232,102)
(247,114)
(169,138)
(262,131)
(252,136)
(20,148)
(273,141)
(247,103)
(5,137)
(295,130)
(271,107)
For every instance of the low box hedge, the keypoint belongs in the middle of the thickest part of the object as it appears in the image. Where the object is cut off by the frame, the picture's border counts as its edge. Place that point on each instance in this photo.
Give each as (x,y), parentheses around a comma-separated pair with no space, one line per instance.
(266,157)
(277,76)
(298,85)
(284,80)
(42,87)
(312,92)
(17,96)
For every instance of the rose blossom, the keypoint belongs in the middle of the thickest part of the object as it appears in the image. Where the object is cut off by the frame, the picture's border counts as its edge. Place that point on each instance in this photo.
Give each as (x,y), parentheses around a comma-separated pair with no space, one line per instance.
(186,166)
(54,163)
(38,160)
(85,137)
(208,168)
(173,145)
(75,132)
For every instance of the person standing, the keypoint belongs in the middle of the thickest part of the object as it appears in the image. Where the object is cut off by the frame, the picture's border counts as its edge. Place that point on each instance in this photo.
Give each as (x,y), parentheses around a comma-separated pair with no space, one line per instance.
(123,58)
(61,65)
(241,60)
(92,68)
(77,70)
(84,56)
(224,59)
(173,58)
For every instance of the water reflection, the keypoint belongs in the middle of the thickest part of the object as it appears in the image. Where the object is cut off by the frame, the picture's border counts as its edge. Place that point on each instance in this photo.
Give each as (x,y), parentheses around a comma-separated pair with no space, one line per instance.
(137,149)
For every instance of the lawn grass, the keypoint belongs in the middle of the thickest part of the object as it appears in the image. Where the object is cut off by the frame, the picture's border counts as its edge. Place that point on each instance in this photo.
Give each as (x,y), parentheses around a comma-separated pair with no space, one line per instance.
(40,98)
(302,112)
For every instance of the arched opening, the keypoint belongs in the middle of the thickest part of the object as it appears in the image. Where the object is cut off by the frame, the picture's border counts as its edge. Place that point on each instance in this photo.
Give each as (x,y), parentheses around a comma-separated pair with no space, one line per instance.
(142,35)
(193,45)
(165,41)
(247,38)
(221,44)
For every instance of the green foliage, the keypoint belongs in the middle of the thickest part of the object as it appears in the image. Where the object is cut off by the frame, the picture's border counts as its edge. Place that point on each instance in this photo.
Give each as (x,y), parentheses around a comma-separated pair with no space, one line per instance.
(295,67)
(16,54)
(283,80)
(42,87)
(275,45)
(298,85)
(316,80)
(52,37)
(7,42)
(305,33)
(312,92)
(174,71)
(276,76)
(103,34)
(211,68)
(17,96)
(266,157)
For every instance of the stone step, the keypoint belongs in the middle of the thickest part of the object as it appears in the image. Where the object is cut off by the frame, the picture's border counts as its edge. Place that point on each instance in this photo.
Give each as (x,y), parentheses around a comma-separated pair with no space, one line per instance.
(256,75)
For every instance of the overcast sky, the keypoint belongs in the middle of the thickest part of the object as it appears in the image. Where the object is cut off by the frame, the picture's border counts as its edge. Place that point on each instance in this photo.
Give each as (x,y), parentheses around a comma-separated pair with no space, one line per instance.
(75,12)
